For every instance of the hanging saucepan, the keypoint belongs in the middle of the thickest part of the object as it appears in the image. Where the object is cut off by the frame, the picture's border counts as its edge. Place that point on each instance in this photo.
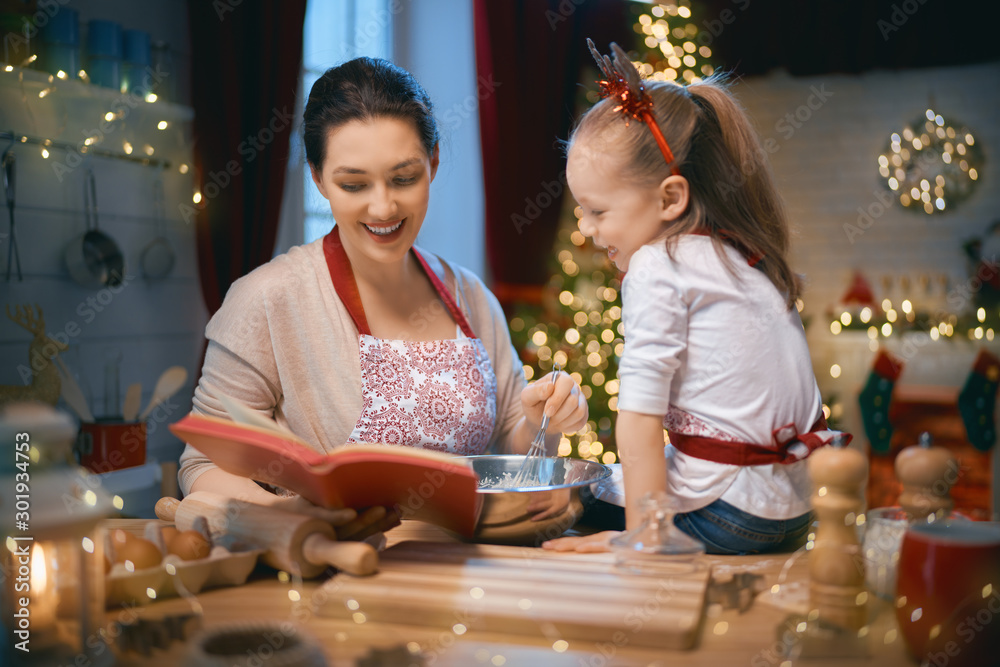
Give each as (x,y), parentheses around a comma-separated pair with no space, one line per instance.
(94,258)
(158,256)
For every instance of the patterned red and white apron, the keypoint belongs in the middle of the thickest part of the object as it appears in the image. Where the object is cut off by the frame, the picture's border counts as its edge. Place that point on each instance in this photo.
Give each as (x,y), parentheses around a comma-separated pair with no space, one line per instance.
(439,394)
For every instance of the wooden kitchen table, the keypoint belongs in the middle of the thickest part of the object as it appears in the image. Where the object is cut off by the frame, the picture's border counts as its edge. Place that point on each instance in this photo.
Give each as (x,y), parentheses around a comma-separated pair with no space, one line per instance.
(728,637)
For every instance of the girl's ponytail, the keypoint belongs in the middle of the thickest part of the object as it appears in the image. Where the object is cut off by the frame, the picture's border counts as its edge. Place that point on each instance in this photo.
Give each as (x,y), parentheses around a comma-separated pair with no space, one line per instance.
(733,194)
(731,177)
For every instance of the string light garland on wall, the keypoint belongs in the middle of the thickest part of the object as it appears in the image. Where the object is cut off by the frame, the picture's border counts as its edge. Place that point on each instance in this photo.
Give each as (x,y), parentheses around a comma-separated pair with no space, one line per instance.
(932,164)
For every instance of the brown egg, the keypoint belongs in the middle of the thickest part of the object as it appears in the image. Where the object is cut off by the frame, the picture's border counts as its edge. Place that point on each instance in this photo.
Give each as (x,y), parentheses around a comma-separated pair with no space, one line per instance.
(121,537)
(140,552)
(169,533)
(190,545)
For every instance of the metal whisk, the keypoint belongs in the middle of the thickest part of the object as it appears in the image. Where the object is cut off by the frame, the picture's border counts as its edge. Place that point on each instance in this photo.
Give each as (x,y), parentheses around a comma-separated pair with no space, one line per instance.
(529,472)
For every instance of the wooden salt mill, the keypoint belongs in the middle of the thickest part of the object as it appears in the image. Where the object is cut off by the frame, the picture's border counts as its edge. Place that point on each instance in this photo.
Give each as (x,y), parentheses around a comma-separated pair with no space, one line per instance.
(927,474)
(836,566)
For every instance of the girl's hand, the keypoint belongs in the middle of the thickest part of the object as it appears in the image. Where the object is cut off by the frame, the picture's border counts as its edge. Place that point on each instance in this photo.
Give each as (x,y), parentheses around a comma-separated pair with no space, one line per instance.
(595,543)
(562,400)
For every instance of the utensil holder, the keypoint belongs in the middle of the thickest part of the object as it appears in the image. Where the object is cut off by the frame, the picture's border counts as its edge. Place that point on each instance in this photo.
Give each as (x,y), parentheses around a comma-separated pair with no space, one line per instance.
(111,444)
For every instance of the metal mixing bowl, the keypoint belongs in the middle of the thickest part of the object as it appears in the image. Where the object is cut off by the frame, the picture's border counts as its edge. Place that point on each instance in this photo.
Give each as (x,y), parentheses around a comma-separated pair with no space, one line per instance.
(507,513)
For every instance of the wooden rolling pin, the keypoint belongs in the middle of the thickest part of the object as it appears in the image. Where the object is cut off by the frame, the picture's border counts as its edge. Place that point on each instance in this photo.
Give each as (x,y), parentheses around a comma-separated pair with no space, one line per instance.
(292,542)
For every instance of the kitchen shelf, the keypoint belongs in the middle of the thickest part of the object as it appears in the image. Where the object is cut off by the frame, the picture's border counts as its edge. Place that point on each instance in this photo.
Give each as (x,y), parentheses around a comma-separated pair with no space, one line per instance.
(70,115)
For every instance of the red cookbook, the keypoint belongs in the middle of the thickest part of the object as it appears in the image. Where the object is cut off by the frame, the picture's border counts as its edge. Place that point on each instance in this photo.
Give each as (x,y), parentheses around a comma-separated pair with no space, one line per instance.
(425,485)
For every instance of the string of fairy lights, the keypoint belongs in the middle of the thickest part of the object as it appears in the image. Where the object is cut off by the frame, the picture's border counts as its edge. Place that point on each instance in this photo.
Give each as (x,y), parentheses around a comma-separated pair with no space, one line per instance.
(933,164)
(881,323)
(101,143)
(581,330)
(670,34)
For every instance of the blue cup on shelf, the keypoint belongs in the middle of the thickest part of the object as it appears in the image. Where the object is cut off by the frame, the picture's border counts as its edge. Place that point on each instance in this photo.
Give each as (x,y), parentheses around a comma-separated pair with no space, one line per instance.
(136,49)
(104,53)
(60,43)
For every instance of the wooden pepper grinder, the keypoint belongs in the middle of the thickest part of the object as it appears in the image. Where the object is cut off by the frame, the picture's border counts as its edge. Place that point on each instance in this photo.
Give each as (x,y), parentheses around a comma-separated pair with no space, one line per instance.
(927,474)
(836,565)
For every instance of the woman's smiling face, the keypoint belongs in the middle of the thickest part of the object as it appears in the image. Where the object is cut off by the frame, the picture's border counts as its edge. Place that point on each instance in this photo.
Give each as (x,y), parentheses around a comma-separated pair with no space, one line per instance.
(376,177)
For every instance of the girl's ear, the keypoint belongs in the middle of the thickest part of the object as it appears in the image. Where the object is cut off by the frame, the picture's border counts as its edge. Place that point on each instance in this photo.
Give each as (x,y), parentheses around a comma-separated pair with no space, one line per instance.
(674,194)
(317,179)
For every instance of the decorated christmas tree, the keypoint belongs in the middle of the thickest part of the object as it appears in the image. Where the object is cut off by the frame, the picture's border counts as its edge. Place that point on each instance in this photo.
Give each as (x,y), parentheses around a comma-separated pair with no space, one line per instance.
(578,326)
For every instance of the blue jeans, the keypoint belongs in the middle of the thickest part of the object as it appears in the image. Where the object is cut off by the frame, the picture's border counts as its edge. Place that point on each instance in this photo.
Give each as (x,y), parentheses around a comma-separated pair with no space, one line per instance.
(725,529)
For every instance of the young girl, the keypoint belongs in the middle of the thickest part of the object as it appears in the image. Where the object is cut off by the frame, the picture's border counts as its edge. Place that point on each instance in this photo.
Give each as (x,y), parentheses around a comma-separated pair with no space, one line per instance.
(673,181)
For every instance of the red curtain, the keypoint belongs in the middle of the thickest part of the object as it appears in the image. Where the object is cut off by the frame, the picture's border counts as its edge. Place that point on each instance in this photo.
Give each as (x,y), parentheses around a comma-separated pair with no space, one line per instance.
(529,52)
(246,59)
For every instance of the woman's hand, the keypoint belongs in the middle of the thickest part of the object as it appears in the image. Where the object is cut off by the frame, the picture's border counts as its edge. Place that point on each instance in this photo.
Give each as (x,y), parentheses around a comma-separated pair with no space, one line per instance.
(298,505)
(562,400)
(547,504)
(595,543)
(370,522)
(349,524)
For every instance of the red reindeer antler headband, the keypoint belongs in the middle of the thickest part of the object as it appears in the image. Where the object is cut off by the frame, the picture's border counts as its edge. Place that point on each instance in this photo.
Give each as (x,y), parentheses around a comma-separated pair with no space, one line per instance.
(622,82)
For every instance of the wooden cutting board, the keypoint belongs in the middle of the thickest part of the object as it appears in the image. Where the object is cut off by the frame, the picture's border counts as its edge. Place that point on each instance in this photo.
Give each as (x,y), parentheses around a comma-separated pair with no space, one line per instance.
(525,591)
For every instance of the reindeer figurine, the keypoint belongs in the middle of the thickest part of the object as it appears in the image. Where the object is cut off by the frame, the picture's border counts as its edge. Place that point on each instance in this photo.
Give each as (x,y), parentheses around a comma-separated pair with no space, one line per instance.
(45,383)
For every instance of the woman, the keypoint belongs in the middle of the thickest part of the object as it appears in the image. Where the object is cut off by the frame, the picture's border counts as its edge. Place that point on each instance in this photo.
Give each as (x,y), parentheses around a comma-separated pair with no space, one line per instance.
(360,336)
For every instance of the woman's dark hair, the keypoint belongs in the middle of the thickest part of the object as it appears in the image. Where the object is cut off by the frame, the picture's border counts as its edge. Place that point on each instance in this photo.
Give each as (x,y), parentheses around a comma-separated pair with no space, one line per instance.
(364,89)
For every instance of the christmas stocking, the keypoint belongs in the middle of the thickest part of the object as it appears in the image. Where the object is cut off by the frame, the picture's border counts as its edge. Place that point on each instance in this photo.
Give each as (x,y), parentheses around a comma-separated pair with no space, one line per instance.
(977,399)
(875,397)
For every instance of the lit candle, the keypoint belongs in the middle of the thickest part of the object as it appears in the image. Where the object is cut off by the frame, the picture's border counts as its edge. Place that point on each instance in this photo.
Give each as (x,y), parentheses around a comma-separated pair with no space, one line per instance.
(42,593)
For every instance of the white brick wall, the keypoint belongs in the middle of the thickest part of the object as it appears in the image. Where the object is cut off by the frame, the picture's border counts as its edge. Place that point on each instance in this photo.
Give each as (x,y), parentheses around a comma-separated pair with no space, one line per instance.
(827,168)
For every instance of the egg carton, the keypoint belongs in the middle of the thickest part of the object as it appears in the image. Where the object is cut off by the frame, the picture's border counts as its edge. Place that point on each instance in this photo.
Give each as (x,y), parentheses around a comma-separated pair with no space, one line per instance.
(174,576)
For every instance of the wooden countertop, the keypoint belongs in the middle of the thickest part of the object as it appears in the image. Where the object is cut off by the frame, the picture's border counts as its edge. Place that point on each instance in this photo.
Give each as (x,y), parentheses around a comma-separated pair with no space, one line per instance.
(728,637)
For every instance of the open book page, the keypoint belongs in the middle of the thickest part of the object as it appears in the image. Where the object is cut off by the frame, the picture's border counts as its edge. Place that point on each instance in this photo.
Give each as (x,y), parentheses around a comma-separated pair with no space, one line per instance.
(425,485)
